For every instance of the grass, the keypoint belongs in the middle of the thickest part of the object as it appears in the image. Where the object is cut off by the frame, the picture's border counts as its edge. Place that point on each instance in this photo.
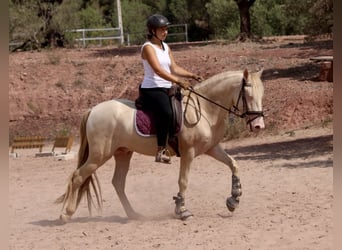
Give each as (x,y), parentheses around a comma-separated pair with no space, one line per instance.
(64,131)
(79,83)
(34,108)
(79,63)
(53,58)
(235,128)
(326,122)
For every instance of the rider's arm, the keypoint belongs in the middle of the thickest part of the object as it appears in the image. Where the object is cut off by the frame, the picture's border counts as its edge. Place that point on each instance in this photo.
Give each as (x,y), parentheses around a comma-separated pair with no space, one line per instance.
(178,70)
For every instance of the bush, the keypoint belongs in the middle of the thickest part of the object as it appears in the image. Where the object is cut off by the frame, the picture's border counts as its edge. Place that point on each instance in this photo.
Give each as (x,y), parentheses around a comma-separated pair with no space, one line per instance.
(235,128)
(223,19)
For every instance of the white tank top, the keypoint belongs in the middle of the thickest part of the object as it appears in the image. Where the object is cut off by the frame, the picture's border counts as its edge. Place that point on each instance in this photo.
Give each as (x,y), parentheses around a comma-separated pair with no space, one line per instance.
(151,79)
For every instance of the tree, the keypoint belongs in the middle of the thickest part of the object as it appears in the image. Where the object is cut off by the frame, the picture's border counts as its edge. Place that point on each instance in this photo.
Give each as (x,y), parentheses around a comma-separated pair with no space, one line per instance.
(223,19)
(321,18)
(45,23)
(134,16)
(245,23)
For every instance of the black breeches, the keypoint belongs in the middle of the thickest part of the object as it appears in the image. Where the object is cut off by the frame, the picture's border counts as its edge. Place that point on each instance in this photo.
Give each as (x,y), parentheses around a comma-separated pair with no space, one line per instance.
(158,101)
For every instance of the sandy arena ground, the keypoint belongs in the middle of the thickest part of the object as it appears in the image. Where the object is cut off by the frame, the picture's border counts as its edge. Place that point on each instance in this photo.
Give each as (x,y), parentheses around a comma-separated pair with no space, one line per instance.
(286,171)
(287,183)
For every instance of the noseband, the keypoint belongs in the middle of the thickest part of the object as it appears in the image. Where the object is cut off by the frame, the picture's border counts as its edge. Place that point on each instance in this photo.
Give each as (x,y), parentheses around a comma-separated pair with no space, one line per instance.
(251,115)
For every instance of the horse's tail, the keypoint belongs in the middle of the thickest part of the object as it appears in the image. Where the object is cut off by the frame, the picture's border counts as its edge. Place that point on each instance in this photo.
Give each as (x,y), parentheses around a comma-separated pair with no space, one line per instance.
(83,154)
(83,151)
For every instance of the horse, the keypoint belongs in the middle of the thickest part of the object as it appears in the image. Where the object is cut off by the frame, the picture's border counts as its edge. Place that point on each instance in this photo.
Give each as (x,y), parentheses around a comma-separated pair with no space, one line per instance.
(107,130)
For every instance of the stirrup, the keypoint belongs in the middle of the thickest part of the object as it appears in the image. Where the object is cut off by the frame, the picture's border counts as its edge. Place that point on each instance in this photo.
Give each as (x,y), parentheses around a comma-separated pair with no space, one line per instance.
(163,156)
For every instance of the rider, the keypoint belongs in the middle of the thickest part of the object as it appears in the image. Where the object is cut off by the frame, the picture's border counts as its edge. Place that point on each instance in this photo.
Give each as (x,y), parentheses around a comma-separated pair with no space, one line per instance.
(160,72)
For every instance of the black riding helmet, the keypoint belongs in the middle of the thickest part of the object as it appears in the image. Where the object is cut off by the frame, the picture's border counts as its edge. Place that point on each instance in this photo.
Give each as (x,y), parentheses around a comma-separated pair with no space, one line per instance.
(156,21)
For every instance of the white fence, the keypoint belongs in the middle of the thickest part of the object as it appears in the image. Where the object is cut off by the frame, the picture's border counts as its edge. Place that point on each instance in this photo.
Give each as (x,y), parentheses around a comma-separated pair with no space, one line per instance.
(115,34)
(120,37)
(185,33)
(86,38)
(170,34)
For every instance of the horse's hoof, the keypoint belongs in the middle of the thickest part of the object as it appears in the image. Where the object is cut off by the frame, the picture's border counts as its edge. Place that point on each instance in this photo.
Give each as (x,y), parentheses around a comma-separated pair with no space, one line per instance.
(232,203)
(186,217)
(231,209)
(64,218)
(184,214)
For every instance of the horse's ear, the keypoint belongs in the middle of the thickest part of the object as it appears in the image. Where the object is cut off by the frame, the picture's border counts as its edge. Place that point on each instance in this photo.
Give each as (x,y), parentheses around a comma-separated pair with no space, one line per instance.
(245,74)
(260,72)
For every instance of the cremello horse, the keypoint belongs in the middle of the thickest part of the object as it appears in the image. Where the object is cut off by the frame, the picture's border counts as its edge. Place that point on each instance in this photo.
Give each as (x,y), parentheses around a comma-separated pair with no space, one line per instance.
(108,130)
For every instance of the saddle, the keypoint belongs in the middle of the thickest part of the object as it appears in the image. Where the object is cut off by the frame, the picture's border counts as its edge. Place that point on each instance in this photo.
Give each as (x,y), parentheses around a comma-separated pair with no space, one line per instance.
(144,119)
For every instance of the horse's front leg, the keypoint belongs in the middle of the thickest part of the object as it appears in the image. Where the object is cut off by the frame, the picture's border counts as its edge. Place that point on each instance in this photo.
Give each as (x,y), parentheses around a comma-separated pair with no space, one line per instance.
(219,154)
(180,210)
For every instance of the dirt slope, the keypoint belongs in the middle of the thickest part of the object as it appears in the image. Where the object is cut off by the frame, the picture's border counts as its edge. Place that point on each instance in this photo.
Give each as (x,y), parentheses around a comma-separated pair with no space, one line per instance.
(50,90)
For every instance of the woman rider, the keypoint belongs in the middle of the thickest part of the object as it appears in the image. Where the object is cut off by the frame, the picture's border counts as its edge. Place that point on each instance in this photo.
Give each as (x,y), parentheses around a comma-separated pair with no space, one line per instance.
(160,72)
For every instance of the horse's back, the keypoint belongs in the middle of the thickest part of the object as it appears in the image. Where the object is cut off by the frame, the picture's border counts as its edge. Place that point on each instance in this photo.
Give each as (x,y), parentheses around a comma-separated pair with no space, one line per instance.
(110,115)
(112,107)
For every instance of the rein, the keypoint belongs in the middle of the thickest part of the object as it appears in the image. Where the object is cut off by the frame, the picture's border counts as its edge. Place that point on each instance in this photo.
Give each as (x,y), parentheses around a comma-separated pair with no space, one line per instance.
(242,96)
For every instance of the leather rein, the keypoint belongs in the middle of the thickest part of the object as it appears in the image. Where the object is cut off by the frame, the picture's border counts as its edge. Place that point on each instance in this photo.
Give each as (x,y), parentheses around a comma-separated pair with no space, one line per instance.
(242,96)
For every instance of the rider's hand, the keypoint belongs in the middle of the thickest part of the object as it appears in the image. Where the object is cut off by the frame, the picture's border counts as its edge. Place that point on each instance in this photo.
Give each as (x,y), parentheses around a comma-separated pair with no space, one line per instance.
(197,78)
(184,84)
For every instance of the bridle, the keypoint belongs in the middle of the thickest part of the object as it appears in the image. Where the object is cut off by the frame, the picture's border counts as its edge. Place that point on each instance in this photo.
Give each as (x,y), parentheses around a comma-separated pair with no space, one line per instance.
(246,113)
(251,115)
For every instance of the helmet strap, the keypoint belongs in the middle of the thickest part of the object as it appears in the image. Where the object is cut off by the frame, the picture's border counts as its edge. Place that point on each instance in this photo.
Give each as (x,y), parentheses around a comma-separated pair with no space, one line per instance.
(161,42)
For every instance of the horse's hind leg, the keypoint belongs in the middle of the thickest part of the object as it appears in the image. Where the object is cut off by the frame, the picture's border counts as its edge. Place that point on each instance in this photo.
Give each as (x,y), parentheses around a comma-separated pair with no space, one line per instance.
(122,160)
(74,191)
(219,154)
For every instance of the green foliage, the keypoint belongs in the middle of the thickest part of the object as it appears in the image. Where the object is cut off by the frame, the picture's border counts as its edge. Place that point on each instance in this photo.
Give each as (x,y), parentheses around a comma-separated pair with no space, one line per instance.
(320,18)
(24,22)
(296,16)
(268,20)
(53,58)
(90,18)
(179,9)
(292,17)
(223,18)
(44,22)
(67,17)
(156,6)
(134,15)
(235,128)
(34,108)
(107,11)
(62,130)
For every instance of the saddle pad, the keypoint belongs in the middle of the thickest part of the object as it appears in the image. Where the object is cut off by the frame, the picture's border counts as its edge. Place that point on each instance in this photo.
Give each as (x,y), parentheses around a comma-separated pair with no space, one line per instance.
(144,125)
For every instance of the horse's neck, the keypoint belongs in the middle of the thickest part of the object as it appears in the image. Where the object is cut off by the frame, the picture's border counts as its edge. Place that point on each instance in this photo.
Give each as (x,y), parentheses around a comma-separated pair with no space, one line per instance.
(220,89)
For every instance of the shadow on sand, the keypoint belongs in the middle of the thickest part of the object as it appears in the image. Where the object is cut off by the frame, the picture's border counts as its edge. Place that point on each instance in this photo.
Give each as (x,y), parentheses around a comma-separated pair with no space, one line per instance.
(298,149)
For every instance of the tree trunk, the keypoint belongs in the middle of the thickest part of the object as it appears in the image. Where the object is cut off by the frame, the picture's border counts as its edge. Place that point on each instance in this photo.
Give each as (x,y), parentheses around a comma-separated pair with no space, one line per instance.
(245,22)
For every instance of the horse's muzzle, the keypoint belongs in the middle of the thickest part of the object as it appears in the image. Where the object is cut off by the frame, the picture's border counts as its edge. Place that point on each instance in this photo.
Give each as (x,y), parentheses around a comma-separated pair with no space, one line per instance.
(256,123)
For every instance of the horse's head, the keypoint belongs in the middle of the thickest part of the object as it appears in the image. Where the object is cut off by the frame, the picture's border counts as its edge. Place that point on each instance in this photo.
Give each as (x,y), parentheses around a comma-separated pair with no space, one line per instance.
(249,101)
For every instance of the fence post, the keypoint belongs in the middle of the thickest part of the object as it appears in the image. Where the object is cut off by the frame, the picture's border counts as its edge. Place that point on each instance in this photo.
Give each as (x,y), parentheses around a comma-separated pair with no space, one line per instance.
(83,36)
(118,3)
(128,40)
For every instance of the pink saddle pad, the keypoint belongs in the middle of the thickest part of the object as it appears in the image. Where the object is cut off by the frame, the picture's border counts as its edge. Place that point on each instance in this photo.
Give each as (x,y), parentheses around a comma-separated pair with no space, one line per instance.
(144,124)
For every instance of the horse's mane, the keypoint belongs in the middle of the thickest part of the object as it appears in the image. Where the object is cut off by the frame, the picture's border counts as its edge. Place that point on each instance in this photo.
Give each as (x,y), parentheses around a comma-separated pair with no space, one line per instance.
(215,78)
